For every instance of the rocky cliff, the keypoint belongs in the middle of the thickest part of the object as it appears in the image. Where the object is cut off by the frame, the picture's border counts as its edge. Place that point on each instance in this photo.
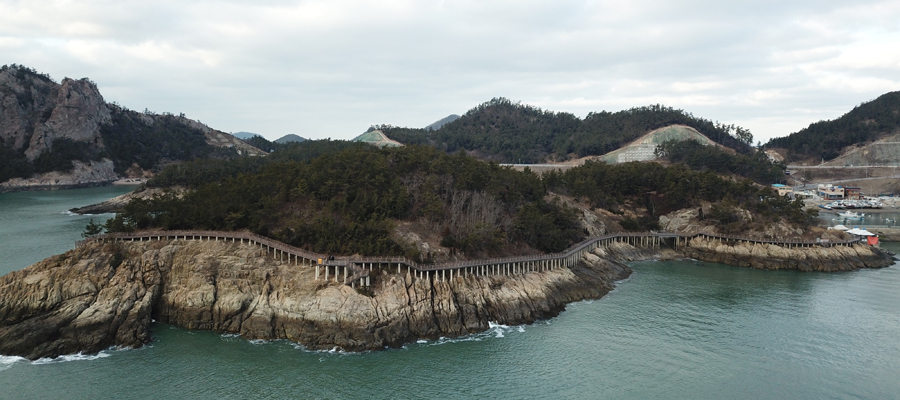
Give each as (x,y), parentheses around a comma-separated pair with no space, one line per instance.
(105,295)
(766,256)
(46,126)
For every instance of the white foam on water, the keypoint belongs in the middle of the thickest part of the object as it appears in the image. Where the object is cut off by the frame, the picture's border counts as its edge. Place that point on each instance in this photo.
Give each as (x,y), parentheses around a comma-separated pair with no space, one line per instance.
(230,335)
(7,361)
(258,341)
(71,357)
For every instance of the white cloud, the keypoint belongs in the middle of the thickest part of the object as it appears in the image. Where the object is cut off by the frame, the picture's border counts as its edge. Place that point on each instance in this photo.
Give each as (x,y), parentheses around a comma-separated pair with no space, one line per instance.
(331,68)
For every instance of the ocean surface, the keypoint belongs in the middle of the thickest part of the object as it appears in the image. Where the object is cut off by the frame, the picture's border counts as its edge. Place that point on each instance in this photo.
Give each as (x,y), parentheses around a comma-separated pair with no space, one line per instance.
(674,330)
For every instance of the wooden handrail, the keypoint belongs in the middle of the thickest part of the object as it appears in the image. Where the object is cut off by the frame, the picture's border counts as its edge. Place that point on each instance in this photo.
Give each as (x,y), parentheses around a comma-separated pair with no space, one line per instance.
(449,265)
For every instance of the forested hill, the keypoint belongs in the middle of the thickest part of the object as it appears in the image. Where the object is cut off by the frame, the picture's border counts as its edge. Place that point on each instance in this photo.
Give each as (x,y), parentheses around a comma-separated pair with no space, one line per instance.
(507,131)
(826,140)
(340,197)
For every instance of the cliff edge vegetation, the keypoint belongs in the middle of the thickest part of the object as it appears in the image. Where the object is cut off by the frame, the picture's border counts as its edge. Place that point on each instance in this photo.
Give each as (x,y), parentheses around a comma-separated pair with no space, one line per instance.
(344,198)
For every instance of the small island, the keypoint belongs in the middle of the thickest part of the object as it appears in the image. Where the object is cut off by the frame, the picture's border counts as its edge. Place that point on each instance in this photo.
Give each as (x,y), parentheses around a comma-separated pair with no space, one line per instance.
(343,245)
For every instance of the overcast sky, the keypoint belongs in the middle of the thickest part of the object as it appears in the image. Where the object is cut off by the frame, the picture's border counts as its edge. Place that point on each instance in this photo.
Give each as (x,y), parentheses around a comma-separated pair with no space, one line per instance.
(332,68)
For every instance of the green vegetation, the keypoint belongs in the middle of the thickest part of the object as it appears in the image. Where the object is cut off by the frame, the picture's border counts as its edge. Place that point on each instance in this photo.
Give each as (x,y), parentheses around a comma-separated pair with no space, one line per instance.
(504,131)
(92,229)
(349,199)
(825,140)
(756,166)
(264,144)
(195,173)
(149,141)
(14,164)
(654,190)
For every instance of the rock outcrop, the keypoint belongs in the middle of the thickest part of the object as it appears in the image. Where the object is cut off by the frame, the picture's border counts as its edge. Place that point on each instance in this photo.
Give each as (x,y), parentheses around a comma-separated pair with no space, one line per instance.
(77,115)
(767,256)
(83,174)
(37,115)
(103,295)
(118,203)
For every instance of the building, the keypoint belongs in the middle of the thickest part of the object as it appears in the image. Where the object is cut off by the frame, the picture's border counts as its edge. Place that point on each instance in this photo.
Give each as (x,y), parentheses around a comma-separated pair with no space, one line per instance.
(804,194)
(852,193)
(829,192)
(783,190)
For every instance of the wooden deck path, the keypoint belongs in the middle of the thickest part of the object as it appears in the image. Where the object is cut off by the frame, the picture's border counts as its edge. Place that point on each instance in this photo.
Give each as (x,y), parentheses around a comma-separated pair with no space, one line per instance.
(357,269)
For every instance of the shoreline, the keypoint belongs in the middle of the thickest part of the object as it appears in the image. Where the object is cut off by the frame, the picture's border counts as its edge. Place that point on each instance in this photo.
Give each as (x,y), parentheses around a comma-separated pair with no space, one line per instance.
(232,287)
(43,188)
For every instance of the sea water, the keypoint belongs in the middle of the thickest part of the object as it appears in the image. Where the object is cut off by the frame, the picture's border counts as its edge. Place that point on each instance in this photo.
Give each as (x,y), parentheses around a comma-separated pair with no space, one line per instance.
(673,330)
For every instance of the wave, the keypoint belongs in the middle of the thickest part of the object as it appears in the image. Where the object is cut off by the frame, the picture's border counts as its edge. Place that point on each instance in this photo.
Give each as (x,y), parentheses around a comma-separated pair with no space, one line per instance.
(71,357)
(7,362)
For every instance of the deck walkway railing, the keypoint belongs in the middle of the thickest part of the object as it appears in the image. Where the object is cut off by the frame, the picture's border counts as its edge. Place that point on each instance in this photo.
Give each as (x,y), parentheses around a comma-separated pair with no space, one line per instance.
(357,269)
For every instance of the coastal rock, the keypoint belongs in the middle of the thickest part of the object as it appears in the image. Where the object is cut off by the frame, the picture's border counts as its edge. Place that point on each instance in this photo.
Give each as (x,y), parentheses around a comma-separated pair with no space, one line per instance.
(770,256)
(118,203)
(83,174)
(103,295)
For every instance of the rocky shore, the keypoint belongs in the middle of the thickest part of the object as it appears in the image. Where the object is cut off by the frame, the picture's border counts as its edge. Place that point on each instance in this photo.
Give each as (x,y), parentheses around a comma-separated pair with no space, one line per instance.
(83,174)
(103,295)
(767,256)
(118,203)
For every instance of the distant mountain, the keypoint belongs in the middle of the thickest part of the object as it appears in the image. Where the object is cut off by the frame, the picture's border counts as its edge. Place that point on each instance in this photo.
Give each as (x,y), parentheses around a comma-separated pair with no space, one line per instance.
(244,135)
(49,128)
(289,138)
(441,122)
(826,140)
(506,131)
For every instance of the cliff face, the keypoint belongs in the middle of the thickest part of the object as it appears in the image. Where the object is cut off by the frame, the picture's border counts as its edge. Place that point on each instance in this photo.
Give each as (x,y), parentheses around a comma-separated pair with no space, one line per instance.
(763,256)
(103,295)
(36,113)
(26,101)
(78,112)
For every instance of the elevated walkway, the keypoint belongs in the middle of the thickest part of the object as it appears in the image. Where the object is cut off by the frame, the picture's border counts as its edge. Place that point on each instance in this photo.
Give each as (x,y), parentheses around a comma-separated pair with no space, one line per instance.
(357,270)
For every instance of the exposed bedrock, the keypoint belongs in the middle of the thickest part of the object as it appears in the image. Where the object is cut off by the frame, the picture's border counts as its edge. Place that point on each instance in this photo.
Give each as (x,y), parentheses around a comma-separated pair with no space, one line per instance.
(103,295)
(767,256)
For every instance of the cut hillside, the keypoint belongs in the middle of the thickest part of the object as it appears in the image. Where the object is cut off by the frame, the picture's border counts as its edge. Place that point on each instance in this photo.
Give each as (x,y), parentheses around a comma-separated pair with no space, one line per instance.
(509,132)
(644,148)
(377,138)
(868,123)
(883,152)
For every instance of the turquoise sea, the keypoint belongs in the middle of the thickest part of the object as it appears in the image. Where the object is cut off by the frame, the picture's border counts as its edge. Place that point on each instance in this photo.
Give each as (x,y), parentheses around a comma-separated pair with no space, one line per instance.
(674,330)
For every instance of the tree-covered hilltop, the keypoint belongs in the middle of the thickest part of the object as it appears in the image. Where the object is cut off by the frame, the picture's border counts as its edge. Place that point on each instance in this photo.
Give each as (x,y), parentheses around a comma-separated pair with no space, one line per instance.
(696,156)
(826,140)
(349,201)
(650,190)
(349,198)
(151,140)
(506,131)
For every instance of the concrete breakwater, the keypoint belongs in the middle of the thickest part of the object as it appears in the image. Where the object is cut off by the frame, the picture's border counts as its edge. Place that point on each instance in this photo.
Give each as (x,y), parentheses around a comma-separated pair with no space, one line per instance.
(106,292)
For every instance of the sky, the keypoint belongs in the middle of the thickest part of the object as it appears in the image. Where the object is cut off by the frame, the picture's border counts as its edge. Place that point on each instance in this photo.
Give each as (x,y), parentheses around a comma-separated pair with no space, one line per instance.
(330,69)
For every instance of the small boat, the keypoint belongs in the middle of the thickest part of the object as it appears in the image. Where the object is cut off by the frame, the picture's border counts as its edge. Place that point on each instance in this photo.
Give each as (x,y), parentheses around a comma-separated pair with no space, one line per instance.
(850,215)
